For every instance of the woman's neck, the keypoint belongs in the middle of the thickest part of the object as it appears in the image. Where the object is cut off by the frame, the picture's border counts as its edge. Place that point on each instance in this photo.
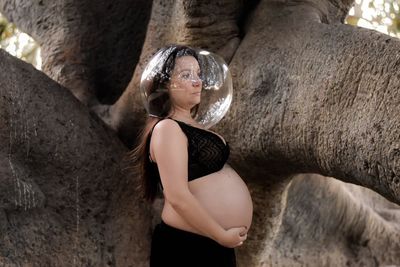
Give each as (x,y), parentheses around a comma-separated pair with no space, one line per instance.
(182,115)
(185,119)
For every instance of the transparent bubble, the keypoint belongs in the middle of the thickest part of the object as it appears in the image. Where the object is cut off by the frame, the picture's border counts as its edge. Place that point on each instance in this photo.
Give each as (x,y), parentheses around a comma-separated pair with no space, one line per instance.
(163,76)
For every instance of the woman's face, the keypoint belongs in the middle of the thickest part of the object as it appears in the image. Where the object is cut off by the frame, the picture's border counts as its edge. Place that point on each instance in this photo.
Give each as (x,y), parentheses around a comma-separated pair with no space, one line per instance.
(185,84)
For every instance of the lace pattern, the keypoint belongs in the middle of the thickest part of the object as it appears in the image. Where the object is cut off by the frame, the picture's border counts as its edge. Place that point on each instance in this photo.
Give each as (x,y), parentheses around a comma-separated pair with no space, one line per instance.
(207,151)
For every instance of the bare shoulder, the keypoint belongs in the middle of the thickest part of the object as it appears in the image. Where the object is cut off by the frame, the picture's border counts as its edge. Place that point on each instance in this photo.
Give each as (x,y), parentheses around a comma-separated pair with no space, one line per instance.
(167,135)
(167,131)
(167,128)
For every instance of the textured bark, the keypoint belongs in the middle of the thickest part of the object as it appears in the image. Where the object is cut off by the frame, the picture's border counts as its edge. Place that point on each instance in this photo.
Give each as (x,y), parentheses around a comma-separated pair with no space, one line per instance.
(68,201)
(90,47)
(324,120)
(309,100)
(352,225)
(312,95)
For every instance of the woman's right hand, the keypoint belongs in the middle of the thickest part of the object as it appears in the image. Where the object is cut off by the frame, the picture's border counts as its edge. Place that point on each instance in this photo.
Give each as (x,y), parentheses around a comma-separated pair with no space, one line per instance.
(233,237)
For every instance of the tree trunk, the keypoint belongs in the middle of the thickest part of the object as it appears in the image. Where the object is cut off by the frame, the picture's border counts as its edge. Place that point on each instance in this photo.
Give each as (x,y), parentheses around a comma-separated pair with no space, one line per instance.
(68,201)
(89,47)
(311,95)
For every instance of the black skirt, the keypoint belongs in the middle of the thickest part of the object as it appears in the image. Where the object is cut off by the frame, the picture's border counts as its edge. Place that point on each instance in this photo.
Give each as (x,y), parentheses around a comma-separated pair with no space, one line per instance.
(171,246)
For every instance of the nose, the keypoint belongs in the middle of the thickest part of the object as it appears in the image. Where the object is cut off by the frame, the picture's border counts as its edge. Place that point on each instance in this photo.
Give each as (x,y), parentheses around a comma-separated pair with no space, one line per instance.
(196,82)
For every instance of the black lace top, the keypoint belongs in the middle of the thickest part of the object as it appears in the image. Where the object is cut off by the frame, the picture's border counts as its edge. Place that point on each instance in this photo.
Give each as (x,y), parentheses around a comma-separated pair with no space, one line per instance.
(207,152)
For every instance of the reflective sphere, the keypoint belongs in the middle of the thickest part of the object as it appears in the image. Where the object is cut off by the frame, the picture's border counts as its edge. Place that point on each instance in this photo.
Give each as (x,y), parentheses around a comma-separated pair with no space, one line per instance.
(214,75)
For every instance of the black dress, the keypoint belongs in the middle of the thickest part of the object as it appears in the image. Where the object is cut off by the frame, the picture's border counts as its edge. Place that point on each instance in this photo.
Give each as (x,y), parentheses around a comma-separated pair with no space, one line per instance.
(171,246)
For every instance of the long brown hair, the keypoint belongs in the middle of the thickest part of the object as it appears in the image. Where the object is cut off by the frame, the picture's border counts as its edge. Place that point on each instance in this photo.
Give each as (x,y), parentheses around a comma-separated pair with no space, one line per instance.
(138,157)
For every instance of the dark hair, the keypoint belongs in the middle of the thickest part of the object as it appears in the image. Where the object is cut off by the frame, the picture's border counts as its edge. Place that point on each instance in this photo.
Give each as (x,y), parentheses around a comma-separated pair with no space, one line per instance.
(138,157)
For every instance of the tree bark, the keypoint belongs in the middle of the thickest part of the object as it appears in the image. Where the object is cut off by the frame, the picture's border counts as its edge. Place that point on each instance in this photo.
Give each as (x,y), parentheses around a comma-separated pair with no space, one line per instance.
(89,47)
(312,95)
(331,223)
(71,203)
(303,109)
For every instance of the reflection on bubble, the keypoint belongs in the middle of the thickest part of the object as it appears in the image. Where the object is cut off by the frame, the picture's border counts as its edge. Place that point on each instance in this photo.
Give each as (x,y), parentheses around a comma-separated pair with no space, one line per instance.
(213,76)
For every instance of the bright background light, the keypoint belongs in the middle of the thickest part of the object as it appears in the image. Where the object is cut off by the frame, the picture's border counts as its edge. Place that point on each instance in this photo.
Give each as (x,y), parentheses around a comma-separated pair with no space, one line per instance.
(19,44)
(379,15)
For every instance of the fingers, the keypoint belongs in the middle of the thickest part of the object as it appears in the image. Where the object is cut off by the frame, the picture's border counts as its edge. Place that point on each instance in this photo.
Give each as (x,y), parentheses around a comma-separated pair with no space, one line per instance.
(242,228)
(243,237)
(244,231)
(241,242)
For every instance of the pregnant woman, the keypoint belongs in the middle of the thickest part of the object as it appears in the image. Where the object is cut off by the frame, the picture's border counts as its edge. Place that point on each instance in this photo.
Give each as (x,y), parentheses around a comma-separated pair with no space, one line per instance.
(208,208)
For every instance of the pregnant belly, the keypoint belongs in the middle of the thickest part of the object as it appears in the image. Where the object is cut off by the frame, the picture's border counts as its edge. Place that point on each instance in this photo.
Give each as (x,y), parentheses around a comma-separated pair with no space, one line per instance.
(223,194)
